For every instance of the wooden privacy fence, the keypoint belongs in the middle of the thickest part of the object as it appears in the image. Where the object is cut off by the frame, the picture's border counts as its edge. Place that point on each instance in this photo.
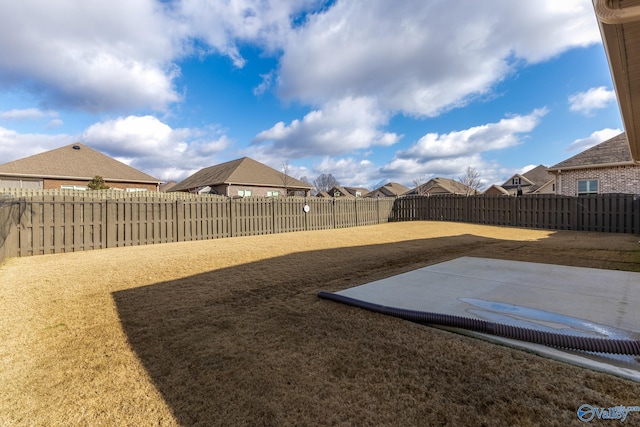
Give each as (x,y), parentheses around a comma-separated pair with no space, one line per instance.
(63,223)
(44,224)
(610,213)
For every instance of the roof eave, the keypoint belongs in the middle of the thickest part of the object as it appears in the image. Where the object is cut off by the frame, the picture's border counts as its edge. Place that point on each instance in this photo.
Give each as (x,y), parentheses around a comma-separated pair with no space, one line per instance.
(76,178)
(612,22)
(598,166)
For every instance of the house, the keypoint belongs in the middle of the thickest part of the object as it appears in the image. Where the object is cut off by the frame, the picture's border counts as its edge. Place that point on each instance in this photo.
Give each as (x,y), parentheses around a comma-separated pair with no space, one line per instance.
(72,167)
(604,168)
(242,178)
(440,186)
(390,189)
(535,181)
(620,30)
(166,186)
(349,192)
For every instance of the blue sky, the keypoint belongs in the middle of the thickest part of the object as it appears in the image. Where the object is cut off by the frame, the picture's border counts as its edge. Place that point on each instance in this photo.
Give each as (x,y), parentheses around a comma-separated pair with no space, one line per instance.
(370,91)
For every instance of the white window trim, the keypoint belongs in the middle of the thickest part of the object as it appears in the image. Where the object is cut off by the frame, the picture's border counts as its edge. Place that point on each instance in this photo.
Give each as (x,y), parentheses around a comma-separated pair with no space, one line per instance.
(589,191)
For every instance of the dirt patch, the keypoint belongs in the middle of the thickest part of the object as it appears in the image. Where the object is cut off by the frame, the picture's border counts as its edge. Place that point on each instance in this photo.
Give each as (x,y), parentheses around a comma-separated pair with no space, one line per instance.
(230,332)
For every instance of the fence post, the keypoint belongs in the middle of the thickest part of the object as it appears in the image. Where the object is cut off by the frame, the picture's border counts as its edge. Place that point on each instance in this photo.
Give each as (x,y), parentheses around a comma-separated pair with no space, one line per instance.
(180,225)
(355,206)
(231,217)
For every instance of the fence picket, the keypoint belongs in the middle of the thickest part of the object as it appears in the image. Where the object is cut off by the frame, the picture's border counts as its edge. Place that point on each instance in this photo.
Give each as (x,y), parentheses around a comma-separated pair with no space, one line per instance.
(67,222)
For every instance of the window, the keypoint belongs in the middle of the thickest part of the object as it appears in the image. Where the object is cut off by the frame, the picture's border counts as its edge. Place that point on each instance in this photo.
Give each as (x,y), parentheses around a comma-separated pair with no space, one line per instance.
(73,187)
(135,190)
(244,193)
(273,193)
(587,186)
(516,181)
(358,193)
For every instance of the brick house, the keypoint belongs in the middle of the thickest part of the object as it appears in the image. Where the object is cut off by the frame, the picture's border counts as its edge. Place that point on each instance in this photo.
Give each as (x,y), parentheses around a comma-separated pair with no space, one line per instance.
(604,168)
(348,192)
(535,181)
(72,167)
(242,177)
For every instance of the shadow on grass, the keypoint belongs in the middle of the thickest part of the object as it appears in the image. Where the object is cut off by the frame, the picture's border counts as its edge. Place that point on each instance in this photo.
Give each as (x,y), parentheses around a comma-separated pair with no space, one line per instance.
(253,345)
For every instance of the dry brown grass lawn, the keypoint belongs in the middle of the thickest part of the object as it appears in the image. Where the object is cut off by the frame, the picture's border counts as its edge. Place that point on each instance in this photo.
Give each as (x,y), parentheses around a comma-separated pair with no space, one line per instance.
(230,332)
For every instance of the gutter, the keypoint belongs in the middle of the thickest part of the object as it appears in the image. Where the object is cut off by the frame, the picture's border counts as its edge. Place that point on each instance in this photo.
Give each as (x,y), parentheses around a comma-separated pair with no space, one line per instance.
(598,166)
(76,178)
(610,15)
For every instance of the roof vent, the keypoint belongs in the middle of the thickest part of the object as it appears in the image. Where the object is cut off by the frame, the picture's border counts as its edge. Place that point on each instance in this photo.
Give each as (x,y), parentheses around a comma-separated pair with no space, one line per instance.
(76,147)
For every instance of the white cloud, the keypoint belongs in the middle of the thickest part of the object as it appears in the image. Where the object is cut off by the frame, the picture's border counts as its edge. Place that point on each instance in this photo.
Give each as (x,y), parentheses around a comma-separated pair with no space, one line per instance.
(348,172)
(405,54)
(26,114)
(94,56)
(449,155)
(526,169)
(594,99)
(223,25)
(152,146)
(595,138)
(339,127)
(15,145)
(492,136)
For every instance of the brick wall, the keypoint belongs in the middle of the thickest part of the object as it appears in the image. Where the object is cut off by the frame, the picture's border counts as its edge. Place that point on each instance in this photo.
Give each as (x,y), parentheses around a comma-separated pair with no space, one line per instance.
(54,184)
(620,179)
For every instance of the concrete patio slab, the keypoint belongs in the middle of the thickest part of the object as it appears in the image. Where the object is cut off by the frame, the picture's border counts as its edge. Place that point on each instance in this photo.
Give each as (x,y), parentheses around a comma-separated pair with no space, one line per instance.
(569,300)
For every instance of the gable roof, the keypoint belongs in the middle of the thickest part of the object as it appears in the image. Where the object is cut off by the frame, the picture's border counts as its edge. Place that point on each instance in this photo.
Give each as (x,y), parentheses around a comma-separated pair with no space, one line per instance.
(532,179)
(497,189)
(390,189)
(243,171)
(340,191)
(612,152)
(75,161)
(449,185)
(538,175)
(354,191)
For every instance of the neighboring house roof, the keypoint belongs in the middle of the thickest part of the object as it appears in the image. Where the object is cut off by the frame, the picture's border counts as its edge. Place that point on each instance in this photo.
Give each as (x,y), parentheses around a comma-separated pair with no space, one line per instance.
(497,189)
(75,161)
(390,189)
(323,194)
(243,171)
(167,186)
(531,180)
(339,191)
(612,152)
(347,191)
(446,185)
(355,190)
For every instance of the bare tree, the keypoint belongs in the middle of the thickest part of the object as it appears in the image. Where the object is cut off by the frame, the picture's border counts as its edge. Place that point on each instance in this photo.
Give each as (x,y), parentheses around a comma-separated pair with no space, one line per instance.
(287,179)
(419,186)
(324,182)
(470,181)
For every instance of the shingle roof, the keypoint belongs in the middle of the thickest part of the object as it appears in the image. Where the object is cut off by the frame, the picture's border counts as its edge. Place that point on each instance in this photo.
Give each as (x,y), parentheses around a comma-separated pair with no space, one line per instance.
(611,151)
(450,185)
(339,191)
(78,163)
(390,189)
(354,190)
(243,171)
(538,175)
(530,180)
